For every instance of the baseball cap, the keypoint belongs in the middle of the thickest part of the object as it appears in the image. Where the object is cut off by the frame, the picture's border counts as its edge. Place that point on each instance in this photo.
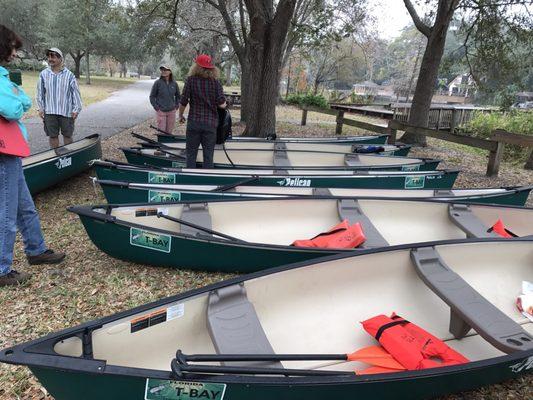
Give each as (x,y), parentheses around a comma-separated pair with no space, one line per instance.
(54,50)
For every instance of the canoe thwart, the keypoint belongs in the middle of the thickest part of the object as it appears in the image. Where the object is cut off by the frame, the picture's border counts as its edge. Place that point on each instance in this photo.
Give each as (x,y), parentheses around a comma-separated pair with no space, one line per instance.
(461,215)
(321,191)
(468,308)
(234,326)
(350,210)
(197,214)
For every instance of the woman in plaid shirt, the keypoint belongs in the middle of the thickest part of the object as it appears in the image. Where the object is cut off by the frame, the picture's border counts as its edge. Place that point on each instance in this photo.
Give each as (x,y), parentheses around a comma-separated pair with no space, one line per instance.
(203,92)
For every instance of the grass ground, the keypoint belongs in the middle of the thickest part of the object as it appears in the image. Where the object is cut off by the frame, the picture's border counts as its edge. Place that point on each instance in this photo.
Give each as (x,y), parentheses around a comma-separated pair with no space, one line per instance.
(90,284)
(99,89)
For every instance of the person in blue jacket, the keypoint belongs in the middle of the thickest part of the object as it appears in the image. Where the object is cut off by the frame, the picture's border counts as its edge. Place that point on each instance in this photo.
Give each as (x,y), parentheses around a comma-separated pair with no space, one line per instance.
(16,205)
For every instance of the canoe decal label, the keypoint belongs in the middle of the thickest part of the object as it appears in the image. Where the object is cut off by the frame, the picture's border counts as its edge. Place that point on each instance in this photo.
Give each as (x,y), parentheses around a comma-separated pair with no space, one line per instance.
(157,389)
(161,177)
(63,162)
(415,182)
(150,240)
(300,182)
(158,196)
(177,164)
(157,317)
(415,167)
(524,365)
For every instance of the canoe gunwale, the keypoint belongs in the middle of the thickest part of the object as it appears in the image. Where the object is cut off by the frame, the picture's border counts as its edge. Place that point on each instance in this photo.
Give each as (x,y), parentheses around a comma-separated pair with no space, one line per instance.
(510,191)
(323,139)
(28,353)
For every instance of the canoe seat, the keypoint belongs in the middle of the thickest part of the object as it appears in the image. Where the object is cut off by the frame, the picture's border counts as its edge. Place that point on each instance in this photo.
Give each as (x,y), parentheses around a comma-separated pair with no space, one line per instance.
(463,217)
(350,210)
(352,160)
(234,326)
(281,159)
(443,193)
(321,192)
(198,214)
(468,308)
(280,146)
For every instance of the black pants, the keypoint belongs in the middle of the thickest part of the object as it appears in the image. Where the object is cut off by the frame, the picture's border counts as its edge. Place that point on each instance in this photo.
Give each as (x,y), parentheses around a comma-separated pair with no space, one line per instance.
(199,134)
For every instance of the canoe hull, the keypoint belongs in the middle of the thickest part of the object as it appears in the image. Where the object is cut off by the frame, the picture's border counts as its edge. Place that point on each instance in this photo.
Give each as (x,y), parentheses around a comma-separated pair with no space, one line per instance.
(67,385)
(42,175)
(116,194)
(136,158)
(431,181)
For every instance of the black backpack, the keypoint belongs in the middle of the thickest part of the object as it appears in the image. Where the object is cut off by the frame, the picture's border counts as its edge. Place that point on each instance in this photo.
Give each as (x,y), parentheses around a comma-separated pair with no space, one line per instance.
(224,125)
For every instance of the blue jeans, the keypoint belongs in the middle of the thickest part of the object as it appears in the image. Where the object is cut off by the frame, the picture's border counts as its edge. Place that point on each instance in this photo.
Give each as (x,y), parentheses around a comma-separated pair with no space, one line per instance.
(16,210)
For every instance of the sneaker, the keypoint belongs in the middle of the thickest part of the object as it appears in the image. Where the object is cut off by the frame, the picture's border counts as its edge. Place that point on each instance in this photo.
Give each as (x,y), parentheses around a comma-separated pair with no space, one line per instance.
(13,278)
(48,257)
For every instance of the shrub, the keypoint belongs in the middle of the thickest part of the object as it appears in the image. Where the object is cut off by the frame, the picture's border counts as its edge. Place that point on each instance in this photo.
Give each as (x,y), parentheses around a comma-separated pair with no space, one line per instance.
(516,121)
(307,100)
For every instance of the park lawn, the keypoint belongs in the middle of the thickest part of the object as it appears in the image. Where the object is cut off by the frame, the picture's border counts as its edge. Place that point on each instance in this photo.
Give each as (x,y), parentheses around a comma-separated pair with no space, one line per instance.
(99,89)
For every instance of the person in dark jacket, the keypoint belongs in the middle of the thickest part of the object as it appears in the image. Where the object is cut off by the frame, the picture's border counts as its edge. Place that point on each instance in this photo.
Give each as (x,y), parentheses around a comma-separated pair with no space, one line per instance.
(165,97)
(203,92)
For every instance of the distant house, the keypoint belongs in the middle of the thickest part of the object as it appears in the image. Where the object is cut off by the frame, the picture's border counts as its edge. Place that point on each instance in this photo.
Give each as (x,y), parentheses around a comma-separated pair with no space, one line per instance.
(366,88)
(522,97)
(462,85)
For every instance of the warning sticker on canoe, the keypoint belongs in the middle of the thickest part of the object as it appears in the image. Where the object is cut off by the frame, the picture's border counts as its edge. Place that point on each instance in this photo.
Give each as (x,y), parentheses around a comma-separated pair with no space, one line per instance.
(161,177)
(157,389)
(414,167)
(157,317)
(150,240)
(158,196)
(415,182)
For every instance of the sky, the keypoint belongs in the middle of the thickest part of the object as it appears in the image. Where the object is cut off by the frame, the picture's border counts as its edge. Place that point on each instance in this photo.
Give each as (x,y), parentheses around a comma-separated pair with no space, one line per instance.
(391,16)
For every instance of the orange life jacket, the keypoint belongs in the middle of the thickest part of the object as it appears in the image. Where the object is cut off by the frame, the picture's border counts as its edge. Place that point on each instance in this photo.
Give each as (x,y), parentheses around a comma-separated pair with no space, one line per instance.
(501,230)
(341,236)
(410,345)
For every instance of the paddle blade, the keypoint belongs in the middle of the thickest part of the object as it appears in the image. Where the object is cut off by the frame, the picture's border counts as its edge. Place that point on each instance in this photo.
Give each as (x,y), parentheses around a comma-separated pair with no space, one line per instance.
(375,355)
(377,370)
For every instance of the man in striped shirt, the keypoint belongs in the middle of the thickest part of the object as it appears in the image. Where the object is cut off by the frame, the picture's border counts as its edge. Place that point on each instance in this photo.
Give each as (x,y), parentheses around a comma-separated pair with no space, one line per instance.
(58,98)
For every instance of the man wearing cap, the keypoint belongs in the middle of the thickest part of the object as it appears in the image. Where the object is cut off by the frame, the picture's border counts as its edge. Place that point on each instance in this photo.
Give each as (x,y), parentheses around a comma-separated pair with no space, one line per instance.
(165,97)
(58,98)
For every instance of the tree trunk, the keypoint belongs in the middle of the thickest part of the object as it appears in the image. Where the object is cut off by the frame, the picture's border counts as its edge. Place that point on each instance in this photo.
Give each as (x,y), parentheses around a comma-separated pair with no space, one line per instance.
(245,90)
(77,57)
(429,67)
(87,63)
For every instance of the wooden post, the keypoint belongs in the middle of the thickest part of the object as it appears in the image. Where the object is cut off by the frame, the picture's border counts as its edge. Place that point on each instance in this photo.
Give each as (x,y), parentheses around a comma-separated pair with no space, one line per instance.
(438,118)
(453,120)
(392,134)
(304,116)
(495,157)
(340,117)
(529,162)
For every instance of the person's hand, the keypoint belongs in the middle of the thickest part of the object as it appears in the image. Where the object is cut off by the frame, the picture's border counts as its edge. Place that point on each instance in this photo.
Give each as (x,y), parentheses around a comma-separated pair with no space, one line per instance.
(181,119)
(41,114)
(15,90)
(74,115)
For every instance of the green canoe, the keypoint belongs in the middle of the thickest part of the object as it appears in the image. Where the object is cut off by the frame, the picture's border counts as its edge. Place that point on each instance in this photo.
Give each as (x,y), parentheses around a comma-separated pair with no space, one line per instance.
(309,313)
(50,167)
(400,150)
(126,192)
(370,139)
(254,234)
(443,179)
(281,160)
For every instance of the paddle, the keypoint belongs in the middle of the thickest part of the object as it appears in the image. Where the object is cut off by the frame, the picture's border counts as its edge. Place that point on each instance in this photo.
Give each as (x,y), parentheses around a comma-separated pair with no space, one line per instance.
(146,139)
(162,131)
(230,186)
(199,227)
(374,355)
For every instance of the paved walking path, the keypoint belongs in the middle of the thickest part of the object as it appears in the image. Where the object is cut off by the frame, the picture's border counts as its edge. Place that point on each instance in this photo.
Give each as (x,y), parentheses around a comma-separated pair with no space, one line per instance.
(123,109)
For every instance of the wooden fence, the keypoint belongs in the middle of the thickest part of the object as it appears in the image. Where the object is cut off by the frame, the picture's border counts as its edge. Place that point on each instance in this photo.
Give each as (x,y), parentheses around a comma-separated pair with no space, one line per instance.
(494,145)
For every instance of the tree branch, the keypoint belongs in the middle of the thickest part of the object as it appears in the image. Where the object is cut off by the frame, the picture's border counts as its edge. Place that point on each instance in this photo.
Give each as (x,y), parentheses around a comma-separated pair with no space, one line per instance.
(421,26)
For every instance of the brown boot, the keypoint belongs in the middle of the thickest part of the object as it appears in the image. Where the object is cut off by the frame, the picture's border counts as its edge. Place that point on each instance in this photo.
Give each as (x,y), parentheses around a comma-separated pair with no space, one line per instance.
(48,257)
(13,278)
